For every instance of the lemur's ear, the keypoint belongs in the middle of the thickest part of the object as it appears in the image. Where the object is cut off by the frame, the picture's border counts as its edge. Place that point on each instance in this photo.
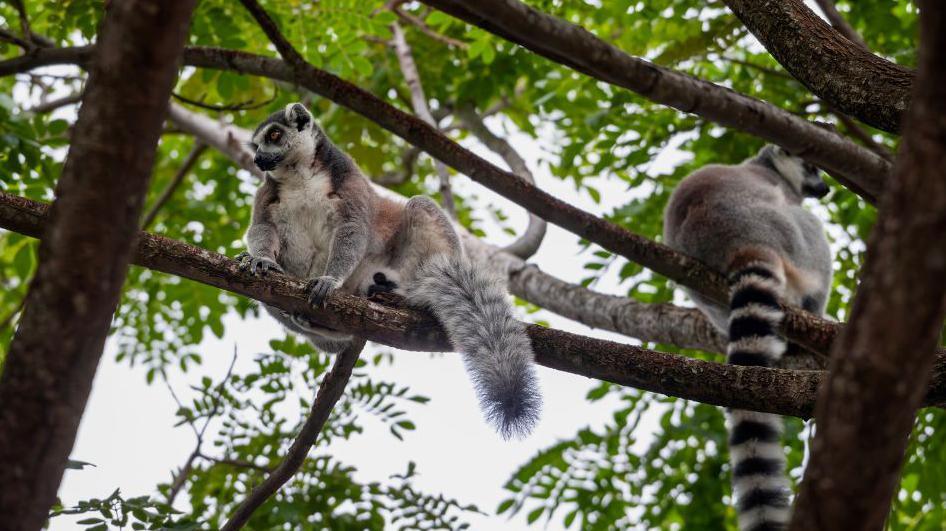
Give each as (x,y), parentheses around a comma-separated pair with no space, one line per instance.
(298,115)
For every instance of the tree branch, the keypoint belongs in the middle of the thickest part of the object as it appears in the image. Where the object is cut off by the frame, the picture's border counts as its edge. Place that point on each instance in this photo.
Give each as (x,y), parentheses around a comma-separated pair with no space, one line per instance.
(165,196)
(883,358)
(329,392)
(779,391)
(845,74)
(526,245)
(568,44)
(859,133)
(84,254)
(419,101)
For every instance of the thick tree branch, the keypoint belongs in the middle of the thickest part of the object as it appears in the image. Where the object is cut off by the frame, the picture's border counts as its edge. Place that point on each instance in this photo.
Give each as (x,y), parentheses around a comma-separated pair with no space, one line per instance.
(405,59)
(855,167)
(84,254)
(329,392)
(661,323)
(883,358)
(165,196)
(772,390)
(808,330)
(526,245)
(845,74)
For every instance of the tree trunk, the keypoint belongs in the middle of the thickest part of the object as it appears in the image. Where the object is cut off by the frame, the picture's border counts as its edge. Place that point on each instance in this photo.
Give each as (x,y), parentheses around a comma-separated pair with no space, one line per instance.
(883,358)
(84,254)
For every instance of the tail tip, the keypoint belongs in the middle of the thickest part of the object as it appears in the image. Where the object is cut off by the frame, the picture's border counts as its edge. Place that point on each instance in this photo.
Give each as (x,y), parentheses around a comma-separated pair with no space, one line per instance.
(515,410)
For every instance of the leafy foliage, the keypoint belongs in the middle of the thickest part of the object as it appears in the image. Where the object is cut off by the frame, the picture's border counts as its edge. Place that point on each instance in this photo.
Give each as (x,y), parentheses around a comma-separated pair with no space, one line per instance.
(613,476)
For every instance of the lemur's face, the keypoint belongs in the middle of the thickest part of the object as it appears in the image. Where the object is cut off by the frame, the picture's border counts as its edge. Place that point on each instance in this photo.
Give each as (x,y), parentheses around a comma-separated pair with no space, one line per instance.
(284,138)
(803,177)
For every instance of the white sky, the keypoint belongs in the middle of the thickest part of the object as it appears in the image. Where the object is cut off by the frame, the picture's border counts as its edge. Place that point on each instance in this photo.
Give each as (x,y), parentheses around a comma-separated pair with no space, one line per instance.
(128,433)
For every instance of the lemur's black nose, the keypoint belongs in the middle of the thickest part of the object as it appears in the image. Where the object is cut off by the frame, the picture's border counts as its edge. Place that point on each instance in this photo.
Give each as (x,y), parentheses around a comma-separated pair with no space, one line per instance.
(265,162)
(818,190)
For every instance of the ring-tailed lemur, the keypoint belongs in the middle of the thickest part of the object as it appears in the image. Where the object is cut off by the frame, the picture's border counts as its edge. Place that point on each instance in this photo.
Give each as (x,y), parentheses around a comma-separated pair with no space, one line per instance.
(748,222)
(317,217)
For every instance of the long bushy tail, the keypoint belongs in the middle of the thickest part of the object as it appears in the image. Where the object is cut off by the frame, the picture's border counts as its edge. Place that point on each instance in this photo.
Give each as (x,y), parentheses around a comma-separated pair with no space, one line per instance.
(471,305)
(760,484)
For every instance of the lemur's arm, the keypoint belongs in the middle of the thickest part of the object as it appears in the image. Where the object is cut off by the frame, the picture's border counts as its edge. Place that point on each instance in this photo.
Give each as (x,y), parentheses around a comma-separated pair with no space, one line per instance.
(350,241)
(262,239)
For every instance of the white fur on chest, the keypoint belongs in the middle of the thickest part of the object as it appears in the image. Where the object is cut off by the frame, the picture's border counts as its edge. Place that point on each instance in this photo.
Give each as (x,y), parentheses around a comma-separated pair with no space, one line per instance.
(306,220)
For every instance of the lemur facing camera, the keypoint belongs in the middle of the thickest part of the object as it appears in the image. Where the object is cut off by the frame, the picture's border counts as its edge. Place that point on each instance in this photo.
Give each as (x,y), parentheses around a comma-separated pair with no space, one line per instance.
(747,221)
(317,217)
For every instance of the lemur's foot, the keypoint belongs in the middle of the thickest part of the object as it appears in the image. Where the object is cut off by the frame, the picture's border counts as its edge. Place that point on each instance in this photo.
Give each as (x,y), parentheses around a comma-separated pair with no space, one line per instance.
(257,266)
(319,288)
(381,285)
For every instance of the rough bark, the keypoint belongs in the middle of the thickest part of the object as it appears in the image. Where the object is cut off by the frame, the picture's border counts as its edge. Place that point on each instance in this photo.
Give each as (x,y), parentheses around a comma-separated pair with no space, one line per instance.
(857,168)
(329,392)
(846,75)
(786,392)
(883,358)
(83,257)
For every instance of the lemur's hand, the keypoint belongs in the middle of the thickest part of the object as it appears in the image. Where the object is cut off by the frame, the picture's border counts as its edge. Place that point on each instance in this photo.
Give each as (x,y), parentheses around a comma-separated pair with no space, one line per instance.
(256,265)
(319,288)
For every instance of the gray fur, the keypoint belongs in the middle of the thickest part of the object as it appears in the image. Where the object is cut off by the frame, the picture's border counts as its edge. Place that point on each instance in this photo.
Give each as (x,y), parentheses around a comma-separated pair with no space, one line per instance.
(472,307)
(747,221)
(317,217)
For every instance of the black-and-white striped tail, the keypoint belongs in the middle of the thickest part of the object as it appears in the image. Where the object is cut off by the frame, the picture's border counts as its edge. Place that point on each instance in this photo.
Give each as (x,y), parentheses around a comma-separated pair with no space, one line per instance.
(760,484)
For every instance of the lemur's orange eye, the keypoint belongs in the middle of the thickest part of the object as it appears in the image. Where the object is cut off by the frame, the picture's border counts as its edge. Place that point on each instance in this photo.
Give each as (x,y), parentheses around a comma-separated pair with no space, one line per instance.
(274,135)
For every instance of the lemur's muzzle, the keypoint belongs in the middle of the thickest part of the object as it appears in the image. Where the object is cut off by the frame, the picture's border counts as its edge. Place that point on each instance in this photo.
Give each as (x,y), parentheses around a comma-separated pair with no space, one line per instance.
(818,190)
(266,161)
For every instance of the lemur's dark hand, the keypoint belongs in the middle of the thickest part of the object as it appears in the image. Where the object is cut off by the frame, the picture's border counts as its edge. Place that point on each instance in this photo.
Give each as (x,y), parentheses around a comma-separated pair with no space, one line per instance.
(257,266)
(319,288)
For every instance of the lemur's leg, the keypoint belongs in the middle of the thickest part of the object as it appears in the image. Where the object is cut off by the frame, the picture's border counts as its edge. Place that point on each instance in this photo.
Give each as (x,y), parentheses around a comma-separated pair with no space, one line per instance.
(262,240)
(346,252)
(424,231)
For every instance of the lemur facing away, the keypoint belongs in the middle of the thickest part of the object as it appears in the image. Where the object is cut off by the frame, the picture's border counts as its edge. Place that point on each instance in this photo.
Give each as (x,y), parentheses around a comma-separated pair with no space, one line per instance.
(317,217)
(748,222)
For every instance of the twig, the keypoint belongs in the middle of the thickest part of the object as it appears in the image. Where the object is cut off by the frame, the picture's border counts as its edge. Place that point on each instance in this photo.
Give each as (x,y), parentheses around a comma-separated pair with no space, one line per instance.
(526,245)
(9,36)
(24,22)
(239,463)
(192,157)
(181,477)
(240,106)
(844,28)
(329,392)
(862,135)
(52,105)
(419,102)
(754,66)
(427,30)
